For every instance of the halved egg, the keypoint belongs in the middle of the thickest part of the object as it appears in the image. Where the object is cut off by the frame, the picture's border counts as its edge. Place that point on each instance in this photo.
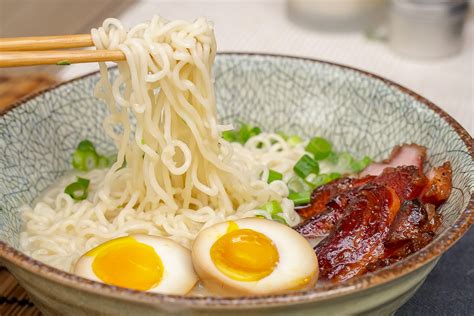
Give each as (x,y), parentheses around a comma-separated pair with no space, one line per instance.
(253,256)
(140,262)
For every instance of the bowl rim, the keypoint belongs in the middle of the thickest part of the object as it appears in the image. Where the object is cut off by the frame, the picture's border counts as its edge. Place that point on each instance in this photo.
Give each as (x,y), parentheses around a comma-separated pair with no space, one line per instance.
(325,292)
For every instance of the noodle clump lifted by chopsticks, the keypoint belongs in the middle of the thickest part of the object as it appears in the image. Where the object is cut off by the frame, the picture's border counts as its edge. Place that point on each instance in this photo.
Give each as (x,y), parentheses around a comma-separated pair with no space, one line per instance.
(174,173)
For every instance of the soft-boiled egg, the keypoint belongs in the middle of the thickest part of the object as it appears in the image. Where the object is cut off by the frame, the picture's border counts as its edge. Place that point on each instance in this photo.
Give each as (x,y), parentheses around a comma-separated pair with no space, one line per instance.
(253,256)
(140,262)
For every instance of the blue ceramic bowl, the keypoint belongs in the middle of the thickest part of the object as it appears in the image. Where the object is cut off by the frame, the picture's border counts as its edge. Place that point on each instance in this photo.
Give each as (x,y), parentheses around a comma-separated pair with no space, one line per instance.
(358,111)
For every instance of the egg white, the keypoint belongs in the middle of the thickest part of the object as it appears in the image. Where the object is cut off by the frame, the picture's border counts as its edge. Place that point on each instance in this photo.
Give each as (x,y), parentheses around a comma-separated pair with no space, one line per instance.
(297,260)
(178,272)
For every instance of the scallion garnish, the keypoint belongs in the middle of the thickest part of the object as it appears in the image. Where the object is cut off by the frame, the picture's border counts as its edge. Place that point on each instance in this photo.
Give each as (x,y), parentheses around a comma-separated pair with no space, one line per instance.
(305,166)
(279,219)
(274,208)
(359,165)
(332,158)
(321,179)
(242,135)
(86,145)
(78,190)
(344,162)
(103,162)
(296,184)
(334,176)
(229,136)
(294,140)
(273,176)
(255,131)
(86,158)
(319,147)
(300,198)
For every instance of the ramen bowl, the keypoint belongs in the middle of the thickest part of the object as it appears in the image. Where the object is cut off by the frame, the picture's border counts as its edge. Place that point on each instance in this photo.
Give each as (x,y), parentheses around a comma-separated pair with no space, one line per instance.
(359,112)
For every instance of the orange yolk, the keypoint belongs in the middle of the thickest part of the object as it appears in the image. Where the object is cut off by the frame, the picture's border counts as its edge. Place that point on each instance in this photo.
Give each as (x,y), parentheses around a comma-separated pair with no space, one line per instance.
(244,255)
(127,263)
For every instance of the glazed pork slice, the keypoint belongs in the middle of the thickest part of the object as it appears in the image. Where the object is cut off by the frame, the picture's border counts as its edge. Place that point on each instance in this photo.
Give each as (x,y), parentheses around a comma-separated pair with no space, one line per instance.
(401,155)
(439,186)
(414,227)
(417,222)
(358,238)
(321,224)
(406,181)
(325,193)
(367,234)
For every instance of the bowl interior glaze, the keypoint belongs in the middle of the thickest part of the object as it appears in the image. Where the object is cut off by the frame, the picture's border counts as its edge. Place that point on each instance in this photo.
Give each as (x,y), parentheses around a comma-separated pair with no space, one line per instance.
(358,112)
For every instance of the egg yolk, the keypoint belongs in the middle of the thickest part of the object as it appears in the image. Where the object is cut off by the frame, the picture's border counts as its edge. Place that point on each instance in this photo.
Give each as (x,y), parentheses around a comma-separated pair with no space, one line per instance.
(244,255)
(127,263)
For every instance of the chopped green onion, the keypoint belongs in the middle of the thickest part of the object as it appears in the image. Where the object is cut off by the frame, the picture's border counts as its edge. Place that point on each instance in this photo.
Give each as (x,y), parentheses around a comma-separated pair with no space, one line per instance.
(296,184)
(273,176)
(345,159)
(321,179)
(300,198)
(346,163)
(229,136)
(294,140)
(333,158)
(272,207)
(78,190)
(305,166)
(278,218)
(359,165)
(86,145)
(319,147)
(255,131)
(342,162)
(334,175)
(242,135)
(83,181)
(84,160)
(63,63)
(316,180)
(103,162)
(246,132)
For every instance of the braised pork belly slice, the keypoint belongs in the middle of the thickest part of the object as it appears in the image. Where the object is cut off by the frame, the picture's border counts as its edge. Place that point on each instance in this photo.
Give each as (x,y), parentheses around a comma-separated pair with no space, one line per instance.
(325,193)
(401,155)
(414,227)
(406,181)
(358,238)
(439,185)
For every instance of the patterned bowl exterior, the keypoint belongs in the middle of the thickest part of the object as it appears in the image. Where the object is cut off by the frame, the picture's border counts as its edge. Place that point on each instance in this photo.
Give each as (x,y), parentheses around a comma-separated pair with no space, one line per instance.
(359,112)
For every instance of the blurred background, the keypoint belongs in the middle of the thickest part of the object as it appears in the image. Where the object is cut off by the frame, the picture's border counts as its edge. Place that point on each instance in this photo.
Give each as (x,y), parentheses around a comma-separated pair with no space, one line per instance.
(425,45)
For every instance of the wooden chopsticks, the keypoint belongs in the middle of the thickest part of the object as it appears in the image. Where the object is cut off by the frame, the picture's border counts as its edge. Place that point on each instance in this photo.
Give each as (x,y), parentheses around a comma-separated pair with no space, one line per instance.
(47,50)
(45,42)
